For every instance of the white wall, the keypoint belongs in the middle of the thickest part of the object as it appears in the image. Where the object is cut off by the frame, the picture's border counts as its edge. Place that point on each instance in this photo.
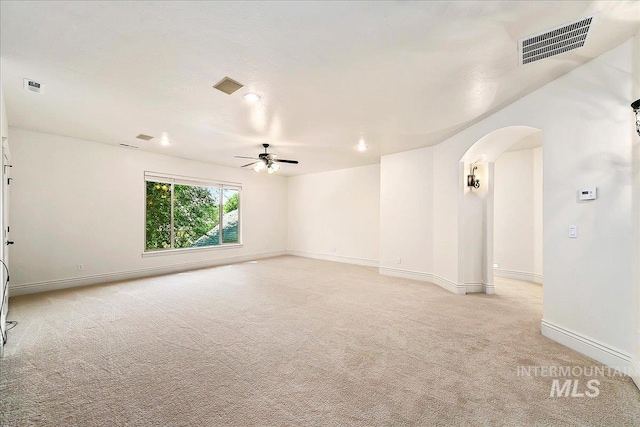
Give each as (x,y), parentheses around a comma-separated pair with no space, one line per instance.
(538,217)
(4,123)
(588,280)
(476,206)
(406,211)
(473,207)
(518,214)
(589,284)
(80,202)
(336,215)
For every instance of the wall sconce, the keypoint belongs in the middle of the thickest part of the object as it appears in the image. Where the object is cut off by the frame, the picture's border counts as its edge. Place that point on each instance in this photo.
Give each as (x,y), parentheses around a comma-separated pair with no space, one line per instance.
(471,179)
(636,109)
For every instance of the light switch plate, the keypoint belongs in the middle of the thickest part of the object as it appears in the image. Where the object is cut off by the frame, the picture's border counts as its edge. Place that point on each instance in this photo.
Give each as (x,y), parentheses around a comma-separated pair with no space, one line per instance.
(573,231)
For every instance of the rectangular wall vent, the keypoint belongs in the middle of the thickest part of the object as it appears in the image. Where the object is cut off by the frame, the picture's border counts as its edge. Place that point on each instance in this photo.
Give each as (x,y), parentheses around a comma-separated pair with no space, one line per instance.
(127,146)
(555,41)
(227,85)
(33,86)
(144,137)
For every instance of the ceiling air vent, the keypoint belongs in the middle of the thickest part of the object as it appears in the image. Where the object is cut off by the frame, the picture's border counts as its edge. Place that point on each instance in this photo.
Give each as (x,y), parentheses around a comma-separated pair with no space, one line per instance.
(33,86)
(554,42)
(227,85)
(144,137)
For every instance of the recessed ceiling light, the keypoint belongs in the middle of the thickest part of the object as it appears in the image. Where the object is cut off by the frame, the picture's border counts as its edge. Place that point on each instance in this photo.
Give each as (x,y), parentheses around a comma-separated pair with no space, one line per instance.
(165,139)
(362,146)
(252,97)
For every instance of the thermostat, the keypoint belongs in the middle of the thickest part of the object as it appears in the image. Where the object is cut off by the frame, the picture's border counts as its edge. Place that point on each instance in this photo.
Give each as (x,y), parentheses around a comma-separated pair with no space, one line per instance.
(590,193)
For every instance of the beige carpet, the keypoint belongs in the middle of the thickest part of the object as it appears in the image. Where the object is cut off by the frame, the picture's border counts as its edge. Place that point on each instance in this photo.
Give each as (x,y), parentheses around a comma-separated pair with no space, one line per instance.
(290,341)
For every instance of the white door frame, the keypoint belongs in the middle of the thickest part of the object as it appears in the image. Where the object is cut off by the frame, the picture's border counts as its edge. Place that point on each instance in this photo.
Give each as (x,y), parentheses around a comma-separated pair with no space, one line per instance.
(4,226)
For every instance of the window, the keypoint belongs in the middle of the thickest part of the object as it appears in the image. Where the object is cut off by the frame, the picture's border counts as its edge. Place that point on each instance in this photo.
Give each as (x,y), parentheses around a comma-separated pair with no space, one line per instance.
(184,214)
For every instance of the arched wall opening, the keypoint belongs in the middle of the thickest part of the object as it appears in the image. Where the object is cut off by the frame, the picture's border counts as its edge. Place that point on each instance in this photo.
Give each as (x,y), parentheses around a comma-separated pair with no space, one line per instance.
(476,205)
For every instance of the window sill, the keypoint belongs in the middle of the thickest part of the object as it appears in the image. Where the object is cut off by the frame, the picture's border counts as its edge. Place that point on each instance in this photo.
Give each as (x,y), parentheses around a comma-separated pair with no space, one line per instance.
(163,252)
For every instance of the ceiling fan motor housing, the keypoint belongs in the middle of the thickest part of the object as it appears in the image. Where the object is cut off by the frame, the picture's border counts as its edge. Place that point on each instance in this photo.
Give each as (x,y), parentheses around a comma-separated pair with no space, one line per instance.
(268,159)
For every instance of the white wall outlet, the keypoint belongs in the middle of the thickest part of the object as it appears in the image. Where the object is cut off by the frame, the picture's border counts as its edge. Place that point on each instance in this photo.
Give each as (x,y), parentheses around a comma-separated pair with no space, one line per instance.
(80,267)
(332,249)
(496,265)
(398,260)
(573,231)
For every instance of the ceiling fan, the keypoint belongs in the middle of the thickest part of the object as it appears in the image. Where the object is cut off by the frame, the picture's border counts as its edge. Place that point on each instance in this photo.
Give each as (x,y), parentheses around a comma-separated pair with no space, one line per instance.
(266,160)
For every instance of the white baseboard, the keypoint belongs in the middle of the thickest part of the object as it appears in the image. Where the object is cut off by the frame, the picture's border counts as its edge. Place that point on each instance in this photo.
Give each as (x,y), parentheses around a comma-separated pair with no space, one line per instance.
(473,288)
(424,277)
(590,347)
(518,275)
(448,284)
(336,258)
(52,285)
(482,288)
(635,371)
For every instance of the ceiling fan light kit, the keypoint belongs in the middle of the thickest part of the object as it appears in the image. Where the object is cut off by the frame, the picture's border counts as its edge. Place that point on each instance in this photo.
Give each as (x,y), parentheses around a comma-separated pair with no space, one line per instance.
(259,166)
(266,161)
(272,168)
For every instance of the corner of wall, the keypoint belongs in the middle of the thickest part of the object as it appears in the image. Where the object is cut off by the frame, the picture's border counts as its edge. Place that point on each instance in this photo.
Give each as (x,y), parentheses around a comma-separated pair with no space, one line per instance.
(635,94)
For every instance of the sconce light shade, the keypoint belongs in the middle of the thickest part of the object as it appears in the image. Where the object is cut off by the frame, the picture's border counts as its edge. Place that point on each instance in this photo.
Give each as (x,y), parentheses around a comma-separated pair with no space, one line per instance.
(636,109)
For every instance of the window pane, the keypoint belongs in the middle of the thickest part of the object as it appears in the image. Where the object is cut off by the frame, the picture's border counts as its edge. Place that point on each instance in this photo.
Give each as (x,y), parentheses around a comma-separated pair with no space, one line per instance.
(196,216)
(231,201)
(158,231)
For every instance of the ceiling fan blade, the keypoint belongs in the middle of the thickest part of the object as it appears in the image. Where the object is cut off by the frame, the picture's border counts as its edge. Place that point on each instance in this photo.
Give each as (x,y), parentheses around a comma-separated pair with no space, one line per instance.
(295,162)
(243,157)
(249,164)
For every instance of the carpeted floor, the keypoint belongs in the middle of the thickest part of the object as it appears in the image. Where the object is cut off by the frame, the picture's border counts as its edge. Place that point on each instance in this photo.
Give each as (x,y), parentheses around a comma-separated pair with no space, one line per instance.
(291,341)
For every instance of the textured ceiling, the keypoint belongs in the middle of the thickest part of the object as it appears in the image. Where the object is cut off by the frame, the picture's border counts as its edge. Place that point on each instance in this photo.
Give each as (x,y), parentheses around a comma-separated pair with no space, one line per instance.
(401,75)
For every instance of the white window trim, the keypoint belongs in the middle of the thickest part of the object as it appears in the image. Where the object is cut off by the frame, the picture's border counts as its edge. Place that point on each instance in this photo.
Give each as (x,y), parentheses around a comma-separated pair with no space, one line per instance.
(197,182)
(162,252)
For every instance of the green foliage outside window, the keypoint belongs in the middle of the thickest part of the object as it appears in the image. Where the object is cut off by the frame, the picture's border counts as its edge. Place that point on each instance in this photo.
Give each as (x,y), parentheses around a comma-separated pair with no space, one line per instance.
(196,216)
(232,203)
(230,217)
(158,215)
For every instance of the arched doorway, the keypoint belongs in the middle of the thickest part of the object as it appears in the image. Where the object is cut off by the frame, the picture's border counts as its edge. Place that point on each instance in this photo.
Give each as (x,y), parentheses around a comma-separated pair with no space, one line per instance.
(476,205)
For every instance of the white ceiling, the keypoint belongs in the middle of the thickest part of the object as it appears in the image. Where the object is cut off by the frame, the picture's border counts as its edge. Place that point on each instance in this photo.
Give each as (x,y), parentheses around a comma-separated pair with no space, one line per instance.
(402,75)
